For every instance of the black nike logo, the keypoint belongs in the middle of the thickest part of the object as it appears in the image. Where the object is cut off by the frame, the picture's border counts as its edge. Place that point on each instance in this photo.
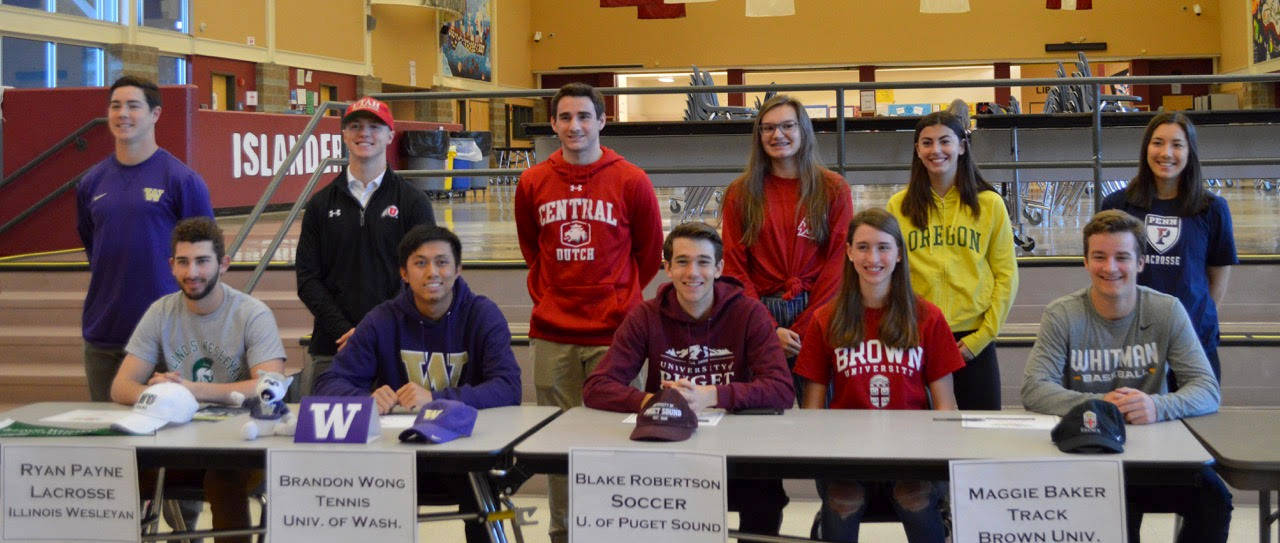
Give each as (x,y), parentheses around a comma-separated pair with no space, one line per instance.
(1144,327)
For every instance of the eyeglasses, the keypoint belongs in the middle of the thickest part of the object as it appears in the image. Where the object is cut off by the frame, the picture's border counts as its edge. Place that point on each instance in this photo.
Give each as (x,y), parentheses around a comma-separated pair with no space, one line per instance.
(785,126)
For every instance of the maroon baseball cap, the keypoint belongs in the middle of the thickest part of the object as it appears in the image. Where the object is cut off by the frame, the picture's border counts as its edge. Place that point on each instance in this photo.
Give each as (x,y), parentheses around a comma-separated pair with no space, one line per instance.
(665,417)
(372,107)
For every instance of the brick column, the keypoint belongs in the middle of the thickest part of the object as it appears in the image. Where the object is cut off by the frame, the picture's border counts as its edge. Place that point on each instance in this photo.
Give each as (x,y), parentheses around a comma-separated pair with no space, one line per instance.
(138,60)
(367,84)
(273,87)
(1259,96)
(498,122)
(440,111)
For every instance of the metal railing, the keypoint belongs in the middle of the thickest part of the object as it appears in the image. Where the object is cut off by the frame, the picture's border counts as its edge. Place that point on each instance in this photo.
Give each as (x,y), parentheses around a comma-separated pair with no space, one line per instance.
(73,137)
(841,166)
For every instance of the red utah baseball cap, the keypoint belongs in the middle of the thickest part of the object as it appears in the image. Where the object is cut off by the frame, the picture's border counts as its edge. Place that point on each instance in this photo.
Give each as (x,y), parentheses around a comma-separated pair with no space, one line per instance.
(372,107)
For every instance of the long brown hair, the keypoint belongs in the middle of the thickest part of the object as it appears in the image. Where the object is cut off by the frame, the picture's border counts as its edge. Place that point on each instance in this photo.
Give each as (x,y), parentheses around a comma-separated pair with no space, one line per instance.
(898,326)
(815,196)
(1192,196)
(969,181)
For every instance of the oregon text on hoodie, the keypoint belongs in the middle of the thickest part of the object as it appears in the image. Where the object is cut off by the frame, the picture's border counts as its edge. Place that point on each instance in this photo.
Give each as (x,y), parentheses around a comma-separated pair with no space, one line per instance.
(464,356)
(592,237)
(786,259)
(963,264)
(733,348)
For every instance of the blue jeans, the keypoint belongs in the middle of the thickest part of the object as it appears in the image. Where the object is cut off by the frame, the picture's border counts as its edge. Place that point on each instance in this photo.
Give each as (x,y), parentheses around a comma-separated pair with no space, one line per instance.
(835,522)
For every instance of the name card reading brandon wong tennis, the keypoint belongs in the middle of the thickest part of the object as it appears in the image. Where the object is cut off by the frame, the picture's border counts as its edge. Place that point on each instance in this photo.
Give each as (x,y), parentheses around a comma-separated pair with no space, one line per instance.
(642,496)
(341,496)
(66,493)
(1049,500)
(337,419)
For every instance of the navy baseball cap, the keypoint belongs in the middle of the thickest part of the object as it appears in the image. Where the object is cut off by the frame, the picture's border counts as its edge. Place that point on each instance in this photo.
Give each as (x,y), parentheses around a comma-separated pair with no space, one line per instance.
(665,417)
(1093,426)
(440,421)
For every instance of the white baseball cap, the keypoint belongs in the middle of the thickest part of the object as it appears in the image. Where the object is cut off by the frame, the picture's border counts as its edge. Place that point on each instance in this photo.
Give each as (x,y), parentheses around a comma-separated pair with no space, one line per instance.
(157,406)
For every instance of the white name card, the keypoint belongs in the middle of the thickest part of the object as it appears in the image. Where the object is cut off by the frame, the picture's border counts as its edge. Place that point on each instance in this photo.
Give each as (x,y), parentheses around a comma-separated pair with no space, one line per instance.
(1038,500)
(68,492)
(341,496)
(642,496)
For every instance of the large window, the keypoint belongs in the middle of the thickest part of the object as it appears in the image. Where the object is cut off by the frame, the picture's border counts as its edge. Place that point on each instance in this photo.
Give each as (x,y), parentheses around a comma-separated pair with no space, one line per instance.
(172,71)
(31,64)
(164,14)
(102,10)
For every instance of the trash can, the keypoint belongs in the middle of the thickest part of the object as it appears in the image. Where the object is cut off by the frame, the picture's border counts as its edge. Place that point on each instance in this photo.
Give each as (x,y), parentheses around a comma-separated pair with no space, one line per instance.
(474,149)
(426,150)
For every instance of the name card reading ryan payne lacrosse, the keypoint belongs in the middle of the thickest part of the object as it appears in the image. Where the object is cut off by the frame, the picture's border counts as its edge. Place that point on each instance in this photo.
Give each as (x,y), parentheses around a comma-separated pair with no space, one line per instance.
(337,419)
(68,492)
(642,496)
(1045,500)
(341,496)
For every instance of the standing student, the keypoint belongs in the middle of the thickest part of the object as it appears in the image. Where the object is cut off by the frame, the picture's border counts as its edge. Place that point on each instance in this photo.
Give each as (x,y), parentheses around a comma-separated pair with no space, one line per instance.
(591,233)
(126,207)
(784,221)
(347,251)
(961,246)
(703,337)
(878,345)
(1190,246)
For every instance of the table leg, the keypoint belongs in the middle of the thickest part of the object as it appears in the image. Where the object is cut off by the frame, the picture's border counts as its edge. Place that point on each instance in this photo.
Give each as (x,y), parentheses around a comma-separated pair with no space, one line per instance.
(488,505)
(1264,516)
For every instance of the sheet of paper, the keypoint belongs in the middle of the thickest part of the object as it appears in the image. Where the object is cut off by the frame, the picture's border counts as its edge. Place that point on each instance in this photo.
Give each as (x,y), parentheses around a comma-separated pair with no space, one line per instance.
(710,418)
(397,422)
(87,416)
(1010,422)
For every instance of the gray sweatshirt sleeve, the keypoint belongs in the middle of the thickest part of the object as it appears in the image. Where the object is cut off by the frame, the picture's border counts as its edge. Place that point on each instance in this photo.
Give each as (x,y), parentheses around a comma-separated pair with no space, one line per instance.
(1042,385)
(1198,392)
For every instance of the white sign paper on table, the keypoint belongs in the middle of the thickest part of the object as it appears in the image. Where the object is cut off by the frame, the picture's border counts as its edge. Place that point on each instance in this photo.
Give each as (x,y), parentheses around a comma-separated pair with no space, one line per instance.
(342,495)
(69,492)
(1051,499)
(642,496)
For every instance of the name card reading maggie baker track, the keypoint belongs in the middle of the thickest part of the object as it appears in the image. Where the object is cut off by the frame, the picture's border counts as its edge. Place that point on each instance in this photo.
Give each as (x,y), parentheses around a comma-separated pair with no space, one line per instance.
(67,492)
(642,496)
(341,496)
(1038,501)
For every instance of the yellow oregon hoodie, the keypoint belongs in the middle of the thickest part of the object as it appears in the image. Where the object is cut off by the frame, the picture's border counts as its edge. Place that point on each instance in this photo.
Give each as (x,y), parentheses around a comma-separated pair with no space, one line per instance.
(963,264)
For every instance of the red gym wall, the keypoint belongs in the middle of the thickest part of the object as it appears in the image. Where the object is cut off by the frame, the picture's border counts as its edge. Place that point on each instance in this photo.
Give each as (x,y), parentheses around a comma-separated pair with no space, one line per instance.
(227,148)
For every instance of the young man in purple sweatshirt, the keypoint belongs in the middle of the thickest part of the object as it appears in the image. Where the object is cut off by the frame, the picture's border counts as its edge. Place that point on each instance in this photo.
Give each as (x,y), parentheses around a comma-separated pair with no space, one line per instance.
(704,337)
(126,207)
(436,340)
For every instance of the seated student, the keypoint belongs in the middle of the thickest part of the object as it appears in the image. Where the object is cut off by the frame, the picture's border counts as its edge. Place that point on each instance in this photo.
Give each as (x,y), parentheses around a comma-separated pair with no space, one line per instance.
(436,340)
(704,337)
(1115,341)
(878,345)
(210,338)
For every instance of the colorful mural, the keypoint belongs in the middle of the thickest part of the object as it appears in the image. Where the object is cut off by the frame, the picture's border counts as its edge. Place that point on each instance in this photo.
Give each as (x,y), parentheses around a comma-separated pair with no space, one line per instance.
(465,44)
(1266,30)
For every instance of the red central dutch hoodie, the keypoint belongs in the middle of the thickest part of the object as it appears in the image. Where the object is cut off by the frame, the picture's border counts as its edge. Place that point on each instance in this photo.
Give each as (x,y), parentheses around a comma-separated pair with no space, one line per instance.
(592,237)
(734,348)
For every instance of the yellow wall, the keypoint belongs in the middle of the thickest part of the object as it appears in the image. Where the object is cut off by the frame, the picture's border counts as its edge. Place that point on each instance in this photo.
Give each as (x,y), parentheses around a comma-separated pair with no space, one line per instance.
(1237,47)
(230,20)
(327,28)
(865,32)
(514,43)
(405,33)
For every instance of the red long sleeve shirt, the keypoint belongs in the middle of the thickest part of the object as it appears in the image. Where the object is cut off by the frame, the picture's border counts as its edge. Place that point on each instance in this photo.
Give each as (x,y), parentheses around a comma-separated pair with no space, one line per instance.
(786,260)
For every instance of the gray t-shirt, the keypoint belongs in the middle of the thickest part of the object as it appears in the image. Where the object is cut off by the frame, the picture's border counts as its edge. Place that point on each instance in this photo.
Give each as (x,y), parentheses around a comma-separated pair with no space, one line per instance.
(216,348)
(1079,355)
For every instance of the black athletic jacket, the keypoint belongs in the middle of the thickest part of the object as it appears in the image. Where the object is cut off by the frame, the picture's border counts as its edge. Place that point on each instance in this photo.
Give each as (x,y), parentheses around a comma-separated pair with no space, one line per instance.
(347,259)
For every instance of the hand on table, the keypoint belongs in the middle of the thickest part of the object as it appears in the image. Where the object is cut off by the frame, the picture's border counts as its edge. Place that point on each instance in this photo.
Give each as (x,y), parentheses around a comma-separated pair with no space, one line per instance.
(700,397)
(1136,405)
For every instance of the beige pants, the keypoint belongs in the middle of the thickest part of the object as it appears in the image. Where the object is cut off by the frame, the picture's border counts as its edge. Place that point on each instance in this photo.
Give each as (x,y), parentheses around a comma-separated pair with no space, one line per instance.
(559,370)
